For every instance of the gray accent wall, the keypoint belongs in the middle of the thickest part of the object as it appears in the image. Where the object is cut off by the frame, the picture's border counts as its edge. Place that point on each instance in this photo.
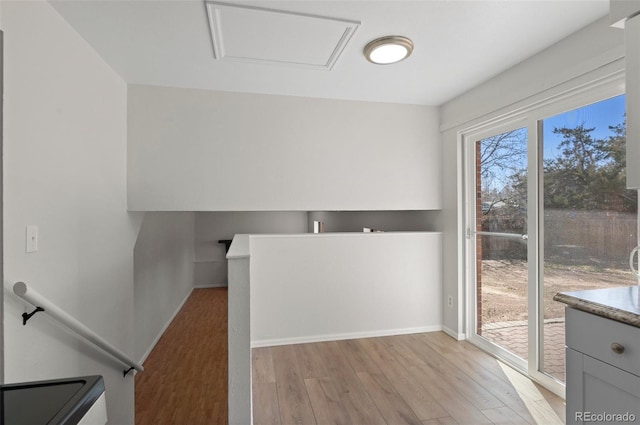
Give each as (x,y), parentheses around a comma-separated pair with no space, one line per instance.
(387,221)
(210,227)
(163,274)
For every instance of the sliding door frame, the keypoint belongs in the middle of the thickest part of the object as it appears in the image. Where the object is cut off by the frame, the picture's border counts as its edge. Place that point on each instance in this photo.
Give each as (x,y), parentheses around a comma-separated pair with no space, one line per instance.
(470,139)
(530,117)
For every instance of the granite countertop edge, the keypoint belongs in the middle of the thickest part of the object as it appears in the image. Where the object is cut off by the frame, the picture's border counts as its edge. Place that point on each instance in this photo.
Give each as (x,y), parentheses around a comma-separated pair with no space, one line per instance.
(613,313)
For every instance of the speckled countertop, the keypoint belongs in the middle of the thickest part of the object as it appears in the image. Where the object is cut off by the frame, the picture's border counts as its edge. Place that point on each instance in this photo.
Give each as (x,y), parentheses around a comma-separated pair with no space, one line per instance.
(621,304)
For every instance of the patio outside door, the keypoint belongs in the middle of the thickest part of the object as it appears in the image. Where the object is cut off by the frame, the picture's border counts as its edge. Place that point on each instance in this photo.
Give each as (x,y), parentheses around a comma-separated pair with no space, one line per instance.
(548,212)
(501,242)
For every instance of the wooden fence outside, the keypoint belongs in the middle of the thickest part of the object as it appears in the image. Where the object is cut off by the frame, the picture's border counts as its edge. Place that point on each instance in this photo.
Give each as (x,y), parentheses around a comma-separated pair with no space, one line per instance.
(597,238)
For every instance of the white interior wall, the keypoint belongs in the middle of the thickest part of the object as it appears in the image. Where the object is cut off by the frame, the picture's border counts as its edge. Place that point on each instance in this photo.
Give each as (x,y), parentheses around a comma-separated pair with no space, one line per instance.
(595,50)
(163,264)
(583,51)
(65,171)
(307,288)
(452,241)
(198,150)
(211,262)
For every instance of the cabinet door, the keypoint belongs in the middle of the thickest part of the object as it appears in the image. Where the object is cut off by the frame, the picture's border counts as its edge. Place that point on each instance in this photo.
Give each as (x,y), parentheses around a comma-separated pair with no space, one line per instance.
(598,393)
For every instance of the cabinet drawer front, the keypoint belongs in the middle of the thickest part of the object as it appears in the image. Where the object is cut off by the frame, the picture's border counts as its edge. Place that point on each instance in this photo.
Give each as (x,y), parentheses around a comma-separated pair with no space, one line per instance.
(594,335)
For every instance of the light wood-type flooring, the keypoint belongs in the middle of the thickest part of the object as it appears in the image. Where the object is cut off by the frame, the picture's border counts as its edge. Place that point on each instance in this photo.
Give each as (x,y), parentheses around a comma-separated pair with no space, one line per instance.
(420,379)
(185,377)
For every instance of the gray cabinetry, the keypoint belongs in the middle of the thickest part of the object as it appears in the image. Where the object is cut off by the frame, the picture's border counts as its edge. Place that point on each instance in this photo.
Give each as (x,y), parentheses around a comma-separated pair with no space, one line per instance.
(603,370)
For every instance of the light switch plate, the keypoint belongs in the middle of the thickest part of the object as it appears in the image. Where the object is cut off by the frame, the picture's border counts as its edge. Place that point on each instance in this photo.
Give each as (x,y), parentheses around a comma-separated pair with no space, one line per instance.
(31,239)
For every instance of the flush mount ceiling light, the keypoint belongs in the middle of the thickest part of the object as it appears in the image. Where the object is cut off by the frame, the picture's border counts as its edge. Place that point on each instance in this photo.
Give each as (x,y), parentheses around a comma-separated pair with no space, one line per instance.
(388,50)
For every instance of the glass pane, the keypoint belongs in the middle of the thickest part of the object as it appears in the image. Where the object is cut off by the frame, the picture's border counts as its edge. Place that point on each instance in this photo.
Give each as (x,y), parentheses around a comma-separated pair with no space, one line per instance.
(501,209)
(590,219)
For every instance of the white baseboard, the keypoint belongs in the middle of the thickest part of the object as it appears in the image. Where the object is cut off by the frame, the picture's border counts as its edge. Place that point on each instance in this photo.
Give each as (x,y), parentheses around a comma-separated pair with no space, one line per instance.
(164,328)
(341,336)
(454,334)
(214,285)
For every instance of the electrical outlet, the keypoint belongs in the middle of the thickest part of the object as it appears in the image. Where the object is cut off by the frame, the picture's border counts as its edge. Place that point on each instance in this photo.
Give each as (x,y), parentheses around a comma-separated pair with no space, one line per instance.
(450,301)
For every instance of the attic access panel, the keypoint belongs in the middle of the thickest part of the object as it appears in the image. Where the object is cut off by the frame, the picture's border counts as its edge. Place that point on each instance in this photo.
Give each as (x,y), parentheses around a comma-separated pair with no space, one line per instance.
(258,35)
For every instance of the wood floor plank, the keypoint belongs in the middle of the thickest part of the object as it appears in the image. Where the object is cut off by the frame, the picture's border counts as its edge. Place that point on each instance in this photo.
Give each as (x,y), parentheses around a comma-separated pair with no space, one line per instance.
(414,392)
(385,355)
(504,416)
(441,421)
(266,407)
(477,394)
(536,403)
(353,396)
(310,361)
(390,404)
(418,398)
(295,407)
(443,342)
(458,407)
(185,377)
(558,407)
(526,388)
(484,370)
(326,403)
(357,357)
(377,351)
(426,379)
(488,362)
(219,413)
(556,403)
(262,363)
(403,353)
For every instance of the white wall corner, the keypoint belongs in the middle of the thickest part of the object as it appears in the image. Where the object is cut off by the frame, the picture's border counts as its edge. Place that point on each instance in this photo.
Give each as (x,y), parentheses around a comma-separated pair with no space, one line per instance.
(453,334)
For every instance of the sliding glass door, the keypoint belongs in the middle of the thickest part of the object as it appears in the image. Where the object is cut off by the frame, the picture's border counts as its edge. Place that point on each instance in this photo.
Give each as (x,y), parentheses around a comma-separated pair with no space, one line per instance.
(590,218)
(500,231)
(548,212)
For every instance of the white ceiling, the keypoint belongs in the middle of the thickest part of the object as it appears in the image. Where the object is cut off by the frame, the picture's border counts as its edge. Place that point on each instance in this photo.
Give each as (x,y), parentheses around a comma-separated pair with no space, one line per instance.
(458,44)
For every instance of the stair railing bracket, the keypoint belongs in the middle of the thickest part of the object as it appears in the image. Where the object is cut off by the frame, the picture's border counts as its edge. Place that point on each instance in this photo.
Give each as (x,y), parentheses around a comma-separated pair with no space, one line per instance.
(27,316)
